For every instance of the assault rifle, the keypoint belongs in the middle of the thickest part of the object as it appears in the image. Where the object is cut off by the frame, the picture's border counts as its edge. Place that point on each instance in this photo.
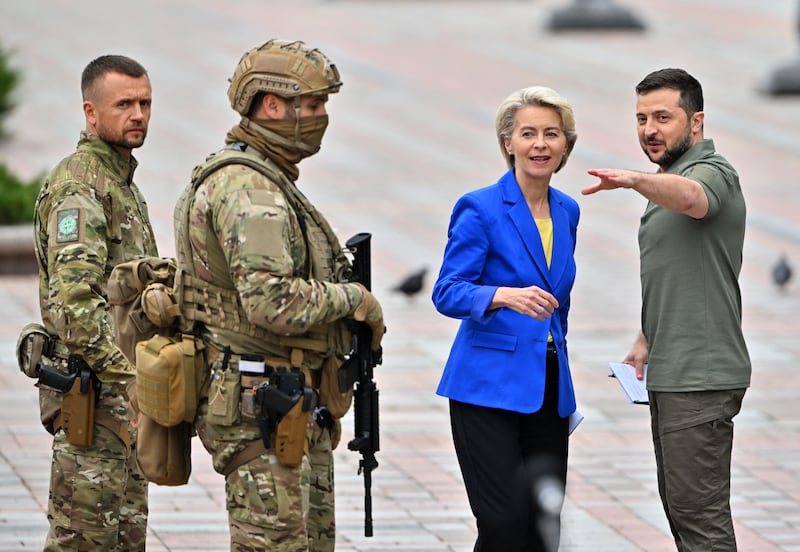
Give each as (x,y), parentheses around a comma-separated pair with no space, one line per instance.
(357,369)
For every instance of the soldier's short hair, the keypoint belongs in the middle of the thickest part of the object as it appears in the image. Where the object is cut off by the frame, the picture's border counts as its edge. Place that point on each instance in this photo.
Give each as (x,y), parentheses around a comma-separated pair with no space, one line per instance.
(102,65)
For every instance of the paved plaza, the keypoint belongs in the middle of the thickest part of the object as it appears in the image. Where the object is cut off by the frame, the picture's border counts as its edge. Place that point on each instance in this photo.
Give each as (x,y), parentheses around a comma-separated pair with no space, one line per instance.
(411,130)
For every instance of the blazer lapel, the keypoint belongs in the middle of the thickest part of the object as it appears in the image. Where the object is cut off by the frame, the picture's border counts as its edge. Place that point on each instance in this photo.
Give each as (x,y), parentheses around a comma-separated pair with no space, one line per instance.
(562,246)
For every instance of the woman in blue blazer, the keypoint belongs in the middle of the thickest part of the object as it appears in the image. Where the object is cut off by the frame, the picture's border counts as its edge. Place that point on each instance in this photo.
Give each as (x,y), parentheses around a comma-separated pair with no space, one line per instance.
(507,273)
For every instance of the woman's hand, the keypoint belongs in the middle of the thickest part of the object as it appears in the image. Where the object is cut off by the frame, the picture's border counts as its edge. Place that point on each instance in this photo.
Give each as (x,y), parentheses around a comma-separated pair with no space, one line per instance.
(531,301)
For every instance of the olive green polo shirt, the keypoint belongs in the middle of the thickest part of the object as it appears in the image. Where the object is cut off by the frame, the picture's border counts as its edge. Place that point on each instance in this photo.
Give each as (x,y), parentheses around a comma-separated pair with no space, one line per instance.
(691,302)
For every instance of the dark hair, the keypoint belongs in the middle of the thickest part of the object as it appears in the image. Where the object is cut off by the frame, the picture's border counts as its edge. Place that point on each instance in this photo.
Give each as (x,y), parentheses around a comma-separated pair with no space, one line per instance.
(109,64)
(691,99)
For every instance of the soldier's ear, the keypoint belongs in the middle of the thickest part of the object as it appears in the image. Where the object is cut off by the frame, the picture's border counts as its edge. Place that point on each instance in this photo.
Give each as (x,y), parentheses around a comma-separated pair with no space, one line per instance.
(90,113)
(272,106)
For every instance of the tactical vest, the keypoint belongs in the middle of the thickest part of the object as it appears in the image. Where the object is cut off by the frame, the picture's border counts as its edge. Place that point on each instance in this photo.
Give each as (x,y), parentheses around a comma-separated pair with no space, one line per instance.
(217,305)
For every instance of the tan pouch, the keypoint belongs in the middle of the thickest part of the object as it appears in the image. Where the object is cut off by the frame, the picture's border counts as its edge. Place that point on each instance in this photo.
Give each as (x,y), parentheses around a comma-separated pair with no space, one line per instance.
(247,405)
(77,412)
(33,344)
(164,453)
(126,288)
(168,374)
(338,403)
(224,394)
(290,436)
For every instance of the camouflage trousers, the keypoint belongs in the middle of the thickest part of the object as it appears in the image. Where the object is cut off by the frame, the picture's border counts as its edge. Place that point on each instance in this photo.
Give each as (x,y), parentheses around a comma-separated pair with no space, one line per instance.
(271,506)
(98,496)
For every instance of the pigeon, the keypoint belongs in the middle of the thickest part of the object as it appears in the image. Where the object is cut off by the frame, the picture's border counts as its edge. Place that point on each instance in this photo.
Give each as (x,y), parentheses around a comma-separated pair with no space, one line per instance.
(781,272)
(412,284)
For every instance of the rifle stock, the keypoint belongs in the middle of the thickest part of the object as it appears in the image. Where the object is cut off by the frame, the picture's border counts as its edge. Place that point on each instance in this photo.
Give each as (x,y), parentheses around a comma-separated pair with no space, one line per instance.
(358,369)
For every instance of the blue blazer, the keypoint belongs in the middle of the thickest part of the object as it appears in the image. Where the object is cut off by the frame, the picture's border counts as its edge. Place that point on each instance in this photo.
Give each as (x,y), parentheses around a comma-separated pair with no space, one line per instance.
(498,357)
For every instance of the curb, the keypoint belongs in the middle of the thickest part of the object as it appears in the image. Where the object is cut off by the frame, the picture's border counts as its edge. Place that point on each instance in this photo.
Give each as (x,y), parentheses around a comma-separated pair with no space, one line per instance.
(17,254)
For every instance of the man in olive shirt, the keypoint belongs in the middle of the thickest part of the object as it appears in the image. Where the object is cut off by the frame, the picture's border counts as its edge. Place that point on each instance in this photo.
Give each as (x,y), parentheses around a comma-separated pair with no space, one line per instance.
(698,368)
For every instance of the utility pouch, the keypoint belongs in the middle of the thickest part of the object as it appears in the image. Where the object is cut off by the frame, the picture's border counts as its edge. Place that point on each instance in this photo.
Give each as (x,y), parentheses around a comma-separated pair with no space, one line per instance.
(77,410)
(330,393)
(163,454)
(224,394)
(168,379)
(247,406)
(33,345)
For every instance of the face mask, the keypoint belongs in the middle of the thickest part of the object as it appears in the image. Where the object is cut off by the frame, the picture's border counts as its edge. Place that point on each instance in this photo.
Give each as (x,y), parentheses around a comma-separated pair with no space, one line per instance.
(304,138)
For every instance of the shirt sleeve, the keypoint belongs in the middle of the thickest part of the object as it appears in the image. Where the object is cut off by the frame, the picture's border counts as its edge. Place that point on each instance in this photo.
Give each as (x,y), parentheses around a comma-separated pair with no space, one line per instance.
(717,186)
(76,260)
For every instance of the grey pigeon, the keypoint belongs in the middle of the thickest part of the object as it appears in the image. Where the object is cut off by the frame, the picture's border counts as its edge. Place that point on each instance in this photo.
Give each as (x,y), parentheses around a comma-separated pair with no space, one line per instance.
(781,272)
(412,284)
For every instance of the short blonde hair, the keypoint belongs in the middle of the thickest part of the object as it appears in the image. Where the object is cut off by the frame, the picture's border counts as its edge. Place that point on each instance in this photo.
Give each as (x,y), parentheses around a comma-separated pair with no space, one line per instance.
(534,95)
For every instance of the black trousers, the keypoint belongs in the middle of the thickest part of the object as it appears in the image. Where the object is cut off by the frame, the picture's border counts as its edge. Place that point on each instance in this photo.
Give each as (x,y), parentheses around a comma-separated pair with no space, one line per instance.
(505,457)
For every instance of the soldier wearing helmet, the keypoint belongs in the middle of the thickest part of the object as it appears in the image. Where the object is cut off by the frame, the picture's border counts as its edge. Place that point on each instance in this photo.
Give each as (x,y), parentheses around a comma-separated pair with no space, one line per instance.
(276,302)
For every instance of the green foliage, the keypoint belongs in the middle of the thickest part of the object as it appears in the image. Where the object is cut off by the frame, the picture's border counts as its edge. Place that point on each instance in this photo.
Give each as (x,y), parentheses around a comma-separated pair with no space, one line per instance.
(9,80)
(19,197)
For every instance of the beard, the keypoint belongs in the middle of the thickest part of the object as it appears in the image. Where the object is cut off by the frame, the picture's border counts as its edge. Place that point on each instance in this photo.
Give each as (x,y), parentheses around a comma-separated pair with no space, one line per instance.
(120,141)
(672,154)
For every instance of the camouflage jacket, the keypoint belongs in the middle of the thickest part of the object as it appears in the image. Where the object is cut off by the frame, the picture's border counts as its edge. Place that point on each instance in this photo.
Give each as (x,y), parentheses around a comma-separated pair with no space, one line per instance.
(275,249)
(89,217)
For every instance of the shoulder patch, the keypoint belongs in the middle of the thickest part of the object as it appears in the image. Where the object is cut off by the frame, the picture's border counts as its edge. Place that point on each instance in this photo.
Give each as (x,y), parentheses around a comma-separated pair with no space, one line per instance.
(68,225)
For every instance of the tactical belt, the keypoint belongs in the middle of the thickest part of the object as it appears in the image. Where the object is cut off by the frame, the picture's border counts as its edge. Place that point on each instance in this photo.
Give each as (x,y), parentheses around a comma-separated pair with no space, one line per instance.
(270,364)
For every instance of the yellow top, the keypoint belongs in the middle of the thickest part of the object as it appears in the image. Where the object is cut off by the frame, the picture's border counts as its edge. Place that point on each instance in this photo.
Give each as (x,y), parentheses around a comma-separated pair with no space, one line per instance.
(545,227)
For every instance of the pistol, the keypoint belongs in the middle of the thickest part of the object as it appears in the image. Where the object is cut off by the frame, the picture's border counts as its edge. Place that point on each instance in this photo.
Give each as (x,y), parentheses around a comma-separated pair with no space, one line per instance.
(51,376)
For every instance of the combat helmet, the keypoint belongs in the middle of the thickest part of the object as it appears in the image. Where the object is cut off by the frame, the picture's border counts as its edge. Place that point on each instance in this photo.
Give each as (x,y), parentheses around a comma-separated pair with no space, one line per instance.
(285,68)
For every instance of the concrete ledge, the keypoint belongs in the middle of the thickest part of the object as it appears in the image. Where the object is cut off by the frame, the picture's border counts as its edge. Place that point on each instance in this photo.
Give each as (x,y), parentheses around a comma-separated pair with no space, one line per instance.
(17,255)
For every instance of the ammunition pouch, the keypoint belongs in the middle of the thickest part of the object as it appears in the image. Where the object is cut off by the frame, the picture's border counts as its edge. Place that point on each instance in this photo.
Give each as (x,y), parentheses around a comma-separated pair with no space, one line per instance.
(169,376)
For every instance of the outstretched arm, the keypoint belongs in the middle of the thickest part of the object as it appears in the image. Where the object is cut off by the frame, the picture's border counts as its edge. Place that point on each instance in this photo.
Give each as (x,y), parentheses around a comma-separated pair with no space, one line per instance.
(668,190)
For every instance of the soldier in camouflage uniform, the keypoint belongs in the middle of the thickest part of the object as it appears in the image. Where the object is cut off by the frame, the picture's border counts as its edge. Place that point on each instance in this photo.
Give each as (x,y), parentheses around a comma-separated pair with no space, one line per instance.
(89,217)
(281,277)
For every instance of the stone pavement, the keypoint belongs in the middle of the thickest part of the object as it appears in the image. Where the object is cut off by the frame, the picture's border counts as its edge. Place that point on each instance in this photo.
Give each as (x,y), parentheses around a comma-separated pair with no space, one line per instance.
(411,131)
